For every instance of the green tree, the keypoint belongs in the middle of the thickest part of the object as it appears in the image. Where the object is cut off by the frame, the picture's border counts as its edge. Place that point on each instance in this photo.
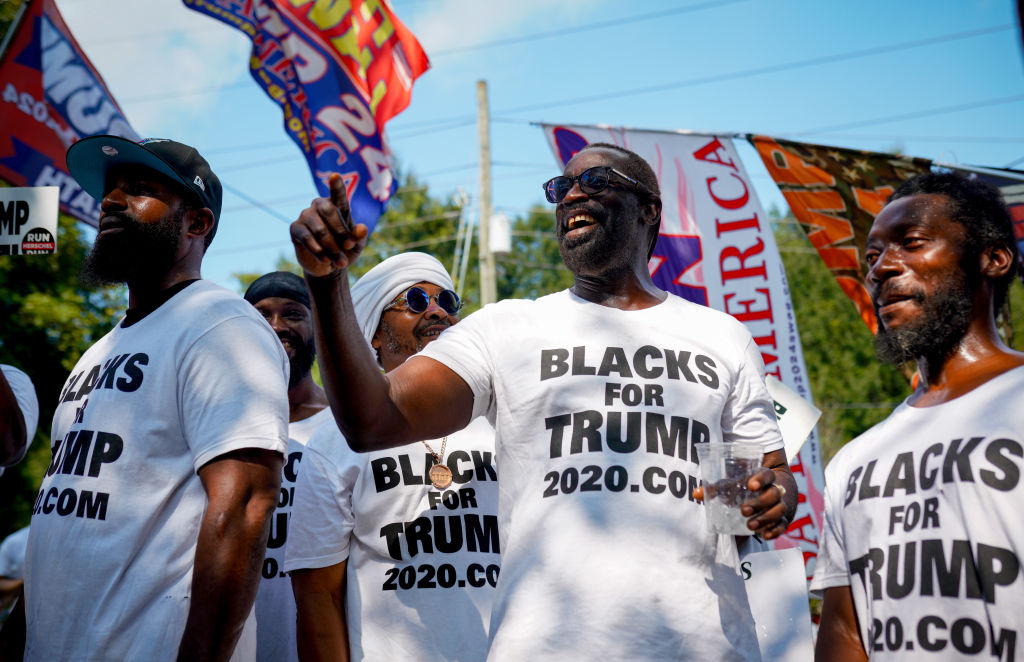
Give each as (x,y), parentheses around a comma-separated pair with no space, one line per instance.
(417,221)
(47,319)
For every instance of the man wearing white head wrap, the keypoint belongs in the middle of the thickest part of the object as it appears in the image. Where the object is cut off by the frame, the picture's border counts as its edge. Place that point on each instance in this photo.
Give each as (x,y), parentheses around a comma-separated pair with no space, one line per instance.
(381,285)
(394,555)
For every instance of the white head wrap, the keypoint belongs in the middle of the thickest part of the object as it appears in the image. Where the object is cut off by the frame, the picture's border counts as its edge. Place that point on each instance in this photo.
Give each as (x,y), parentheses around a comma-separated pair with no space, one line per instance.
(379,286)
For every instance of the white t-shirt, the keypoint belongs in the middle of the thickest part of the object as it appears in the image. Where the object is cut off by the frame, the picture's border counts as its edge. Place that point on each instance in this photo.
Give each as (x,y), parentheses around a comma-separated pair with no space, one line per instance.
(12,554)
(923,523)
(114,527)
(25,394)
(422,562)
(605,554)
(275,602)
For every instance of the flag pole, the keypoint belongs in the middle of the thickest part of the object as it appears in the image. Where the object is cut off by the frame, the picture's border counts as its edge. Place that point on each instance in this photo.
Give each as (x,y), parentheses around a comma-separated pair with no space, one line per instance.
(13,29)
(1015,175)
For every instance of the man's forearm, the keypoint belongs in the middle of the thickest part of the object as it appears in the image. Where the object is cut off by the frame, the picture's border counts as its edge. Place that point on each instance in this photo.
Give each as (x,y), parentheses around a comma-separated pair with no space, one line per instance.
(356,388)
(322,629)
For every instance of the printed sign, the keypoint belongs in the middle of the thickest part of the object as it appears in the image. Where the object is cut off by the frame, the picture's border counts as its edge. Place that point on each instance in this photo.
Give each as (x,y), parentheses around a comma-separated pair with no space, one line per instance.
(778,602)
(796,415)
(28,220)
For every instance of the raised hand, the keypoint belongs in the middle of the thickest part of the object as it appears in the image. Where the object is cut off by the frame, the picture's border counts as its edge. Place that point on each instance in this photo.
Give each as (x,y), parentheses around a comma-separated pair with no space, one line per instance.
(325,237)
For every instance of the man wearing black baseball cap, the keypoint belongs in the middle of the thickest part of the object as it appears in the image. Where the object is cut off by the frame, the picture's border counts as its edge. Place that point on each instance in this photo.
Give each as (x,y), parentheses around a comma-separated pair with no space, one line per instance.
(281,298)
(168,439)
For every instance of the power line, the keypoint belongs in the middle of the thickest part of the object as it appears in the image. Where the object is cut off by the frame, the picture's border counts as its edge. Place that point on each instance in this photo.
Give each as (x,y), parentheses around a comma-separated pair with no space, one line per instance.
(914,115)
(934,139)
(583,28)
(758,71)
(257,204)
(441,125)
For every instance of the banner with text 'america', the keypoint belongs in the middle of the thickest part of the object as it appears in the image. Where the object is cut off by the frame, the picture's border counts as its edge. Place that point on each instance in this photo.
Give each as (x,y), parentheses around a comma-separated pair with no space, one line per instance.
(339,71)
(716,248)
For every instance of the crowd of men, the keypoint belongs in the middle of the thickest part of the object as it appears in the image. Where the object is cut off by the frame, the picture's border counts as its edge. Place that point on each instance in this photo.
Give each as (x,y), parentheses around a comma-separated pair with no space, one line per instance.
(470,490)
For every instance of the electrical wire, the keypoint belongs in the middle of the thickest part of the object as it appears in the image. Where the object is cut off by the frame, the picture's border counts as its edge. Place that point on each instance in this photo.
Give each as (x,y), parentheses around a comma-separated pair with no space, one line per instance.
(617,22)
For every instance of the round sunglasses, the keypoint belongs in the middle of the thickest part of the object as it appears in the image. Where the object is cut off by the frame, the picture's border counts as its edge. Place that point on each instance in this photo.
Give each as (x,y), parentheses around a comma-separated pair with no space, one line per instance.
(416,300)
(592,181)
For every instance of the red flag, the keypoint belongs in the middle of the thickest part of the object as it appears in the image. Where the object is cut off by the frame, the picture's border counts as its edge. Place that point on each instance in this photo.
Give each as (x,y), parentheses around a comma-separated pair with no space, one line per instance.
(52,96)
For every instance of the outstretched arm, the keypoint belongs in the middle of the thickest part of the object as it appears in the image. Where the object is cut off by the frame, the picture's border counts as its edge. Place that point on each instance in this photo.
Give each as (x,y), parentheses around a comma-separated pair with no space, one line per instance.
(242,488)
(421,399)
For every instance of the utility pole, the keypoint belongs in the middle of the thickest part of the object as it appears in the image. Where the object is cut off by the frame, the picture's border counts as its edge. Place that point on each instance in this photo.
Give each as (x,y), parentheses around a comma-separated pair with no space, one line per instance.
(488,286)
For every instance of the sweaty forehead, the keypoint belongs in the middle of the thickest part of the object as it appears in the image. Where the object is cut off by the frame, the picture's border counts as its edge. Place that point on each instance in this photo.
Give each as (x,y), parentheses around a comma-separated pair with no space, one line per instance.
(913,210)
(596,156)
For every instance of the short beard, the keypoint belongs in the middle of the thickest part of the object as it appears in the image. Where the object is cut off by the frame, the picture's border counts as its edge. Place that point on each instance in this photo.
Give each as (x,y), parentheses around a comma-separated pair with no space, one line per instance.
(301,363)
(594,251)
(943,322)
(141,251)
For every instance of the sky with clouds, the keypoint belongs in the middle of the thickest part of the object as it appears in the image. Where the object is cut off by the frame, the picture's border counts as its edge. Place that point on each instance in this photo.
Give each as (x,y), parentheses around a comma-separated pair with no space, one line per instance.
(942,79)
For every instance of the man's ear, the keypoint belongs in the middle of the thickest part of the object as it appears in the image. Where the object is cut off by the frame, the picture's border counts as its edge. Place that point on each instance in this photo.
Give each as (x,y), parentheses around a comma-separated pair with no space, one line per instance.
(200,221)
(996,261)
(651,211)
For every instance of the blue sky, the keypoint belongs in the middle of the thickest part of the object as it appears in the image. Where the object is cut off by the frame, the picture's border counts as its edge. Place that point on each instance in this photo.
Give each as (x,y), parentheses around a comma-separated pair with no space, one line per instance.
(942,79)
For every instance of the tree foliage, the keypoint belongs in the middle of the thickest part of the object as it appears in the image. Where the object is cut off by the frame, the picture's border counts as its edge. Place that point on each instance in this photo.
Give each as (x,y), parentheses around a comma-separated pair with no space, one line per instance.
(47,319)
(417,221)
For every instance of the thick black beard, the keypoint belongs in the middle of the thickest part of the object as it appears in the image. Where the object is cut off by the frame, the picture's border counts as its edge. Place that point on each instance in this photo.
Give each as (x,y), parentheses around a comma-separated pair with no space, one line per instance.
(142,251)
(944,320)
(301,363)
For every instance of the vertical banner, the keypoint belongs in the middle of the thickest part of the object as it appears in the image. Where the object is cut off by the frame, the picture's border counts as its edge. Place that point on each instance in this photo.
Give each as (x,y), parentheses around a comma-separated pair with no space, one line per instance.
(835,193)
(717,249)
(339,70)
(50,96)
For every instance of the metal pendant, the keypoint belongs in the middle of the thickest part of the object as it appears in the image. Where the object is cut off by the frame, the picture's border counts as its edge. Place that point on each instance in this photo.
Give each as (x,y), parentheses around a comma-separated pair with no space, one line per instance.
(440,476)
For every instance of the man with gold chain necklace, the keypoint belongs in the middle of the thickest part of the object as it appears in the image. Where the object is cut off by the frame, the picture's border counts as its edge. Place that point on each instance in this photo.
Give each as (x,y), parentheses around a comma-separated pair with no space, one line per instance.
(395,554)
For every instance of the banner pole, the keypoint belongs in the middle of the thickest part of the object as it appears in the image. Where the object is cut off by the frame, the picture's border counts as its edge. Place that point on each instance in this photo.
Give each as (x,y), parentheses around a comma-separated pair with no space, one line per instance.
(13,30)
(1005,174)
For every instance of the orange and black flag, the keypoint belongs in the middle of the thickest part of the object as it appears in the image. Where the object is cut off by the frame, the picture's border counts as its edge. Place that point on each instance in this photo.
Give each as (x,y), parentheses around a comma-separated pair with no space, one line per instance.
(835,194)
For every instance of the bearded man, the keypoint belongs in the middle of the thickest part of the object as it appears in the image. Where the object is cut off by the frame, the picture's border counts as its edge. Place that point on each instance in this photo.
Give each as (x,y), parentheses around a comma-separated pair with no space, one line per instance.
(600,394)
(282,299)
(920,555)
(151,522)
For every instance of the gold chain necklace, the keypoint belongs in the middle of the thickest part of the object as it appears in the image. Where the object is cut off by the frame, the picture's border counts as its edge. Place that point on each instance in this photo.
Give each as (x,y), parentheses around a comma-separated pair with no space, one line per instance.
(440,475)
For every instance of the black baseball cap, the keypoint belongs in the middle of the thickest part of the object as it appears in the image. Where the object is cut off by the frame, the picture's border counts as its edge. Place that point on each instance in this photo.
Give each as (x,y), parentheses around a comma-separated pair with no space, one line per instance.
(90,158)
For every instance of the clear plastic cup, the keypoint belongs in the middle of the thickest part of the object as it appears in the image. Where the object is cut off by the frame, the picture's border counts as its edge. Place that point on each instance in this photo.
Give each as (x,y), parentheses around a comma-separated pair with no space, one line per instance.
(725,470)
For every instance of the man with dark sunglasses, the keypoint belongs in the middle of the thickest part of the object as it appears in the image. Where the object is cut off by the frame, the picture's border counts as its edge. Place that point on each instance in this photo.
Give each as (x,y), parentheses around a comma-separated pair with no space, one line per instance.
(281,298)
(600,393)
(394,554)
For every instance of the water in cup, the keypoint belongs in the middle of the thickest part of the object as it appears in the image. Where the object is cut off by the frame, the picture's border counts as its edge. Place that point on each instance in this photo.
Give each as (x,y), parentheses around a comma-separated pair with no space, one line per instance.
(725,469)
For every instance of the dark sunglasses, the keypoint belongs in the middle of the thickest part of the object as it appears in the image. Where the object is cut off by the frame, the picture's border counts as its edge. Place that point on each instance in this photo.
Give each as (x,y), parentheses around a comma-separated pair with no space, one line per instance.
(416,300)
(592,181)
